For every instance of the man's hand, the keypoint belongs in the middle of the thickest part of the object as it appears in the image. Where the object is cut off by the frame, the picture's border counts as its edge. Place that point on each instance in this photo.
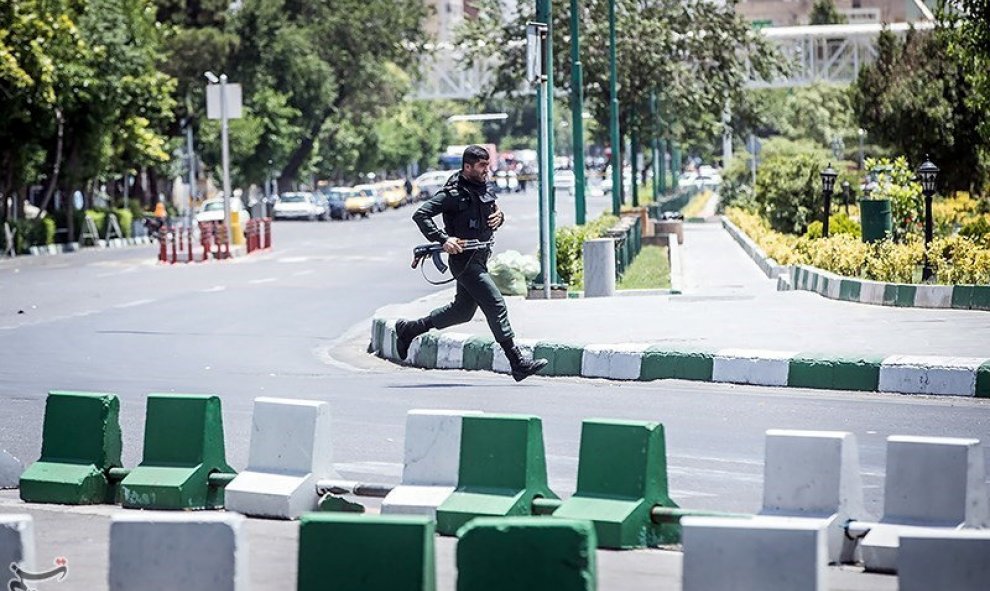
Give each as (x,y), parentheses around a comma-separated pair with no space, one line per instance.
(496,219)
(453,246)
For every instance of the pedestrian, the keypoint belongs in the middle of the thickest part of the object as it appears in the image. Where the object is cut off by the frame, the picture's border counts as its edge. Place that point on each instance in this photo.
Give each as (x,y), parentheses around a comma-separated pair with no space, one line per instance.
(467,204)
(409,190)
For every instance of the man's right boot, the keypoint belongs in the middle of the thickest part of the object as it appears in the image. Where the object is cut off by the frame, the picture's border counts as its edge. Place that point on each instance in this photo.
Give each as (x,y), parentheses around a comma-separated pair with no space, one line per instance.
(522,368)
(406,331)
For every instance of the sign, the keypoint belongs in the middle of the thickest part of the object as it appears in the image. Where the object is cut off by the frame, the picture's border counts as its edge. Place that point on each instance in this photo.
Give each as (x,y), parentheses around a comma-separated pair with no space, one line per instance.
(535,35)
(233,92)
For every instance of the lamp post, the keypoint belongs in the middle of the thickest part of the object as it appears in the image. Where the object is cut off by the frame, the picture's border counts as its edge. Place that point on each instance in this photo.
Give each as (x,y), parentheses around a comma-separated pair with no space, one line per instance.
(577,115)
(828,184)
(224,144)
(862,136)
(928,174)
(537,73)
(846,195)
(613,86)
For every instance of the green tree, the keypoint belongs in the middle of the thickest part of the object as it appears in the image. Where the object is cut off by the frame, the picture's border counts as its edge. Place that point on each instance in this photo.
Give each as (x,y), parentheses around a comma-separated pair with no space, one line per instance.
(825,13)
(968,30)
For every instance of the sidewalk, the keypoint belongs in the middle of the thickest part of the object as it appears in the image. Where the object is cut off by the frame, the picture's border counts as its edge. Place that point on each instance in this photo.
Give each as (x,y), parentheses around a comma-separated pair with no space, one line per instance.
(728,304)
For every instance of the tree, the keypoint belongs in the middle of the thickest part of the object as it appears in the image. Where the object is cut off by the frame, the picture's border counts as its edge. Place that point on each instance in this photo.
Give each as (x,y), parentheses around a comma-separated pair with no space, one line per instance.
(820,112)
(825,13)
(968,31)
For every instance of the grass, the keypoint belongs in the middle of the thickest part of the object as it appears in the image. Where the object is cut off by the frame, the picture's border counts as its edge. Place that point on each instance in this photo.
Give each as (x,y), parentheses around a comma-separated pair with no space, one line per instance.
(649,270)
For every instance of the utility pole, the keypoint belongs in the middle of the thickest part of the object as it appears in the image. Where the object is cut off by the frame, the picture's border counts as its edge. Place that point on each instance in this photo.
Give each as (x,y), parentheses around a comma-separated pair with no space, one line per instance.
(655,148)
(577,115)
(613,86)
(633,160)
(536,42)
(190,150)
(544,15)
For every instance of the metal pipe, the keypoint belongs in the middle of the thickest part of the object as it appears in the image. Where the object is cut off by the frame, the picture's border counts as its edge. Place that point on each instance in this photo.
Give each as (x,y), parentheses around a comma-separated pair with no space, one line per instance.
(348,487)
(542,506)
(220,479)
(673,515)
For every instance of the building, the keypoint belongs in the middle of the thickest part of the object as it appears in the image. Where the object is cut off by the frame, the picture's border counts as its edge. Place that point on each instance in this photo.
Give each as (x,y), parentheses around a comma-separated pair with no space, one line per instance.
(788,13)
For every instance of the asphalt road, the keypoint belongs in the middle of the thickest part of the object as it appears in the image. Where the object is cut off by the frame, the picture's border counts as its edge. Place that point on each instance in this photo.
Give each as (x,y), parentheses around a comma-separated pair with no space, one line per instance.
(268,324)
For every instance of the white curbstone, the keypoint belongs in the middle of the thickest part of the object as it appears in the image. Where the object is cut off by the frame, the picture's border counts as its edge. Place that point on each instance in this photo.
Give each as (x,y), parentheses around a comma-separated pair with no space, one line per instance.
(871,292)
(431,462)
(388,341)
(290,451)
(933,296)
(450,350)
(376,341)
(615,361)
(16,543)
(155,551)
(765,553)
(595,361)
(910,374)
(834,290)
(10,474)
(748,366)
(931,482)
(815,474)
(940,559)
(500,363)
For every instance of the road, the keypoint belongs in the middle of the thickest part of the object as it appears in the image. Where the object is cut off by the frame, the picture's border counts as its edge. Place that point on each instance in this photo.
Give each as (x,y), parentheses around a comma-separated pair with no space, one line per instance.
(116,321)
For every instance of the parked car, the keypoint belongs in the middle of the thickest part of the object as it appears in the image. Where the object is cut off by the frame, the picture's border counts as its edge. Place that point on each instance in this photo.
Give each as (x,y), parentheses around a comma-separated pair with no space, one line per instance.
(430,182)
(375,195)
(212,210)
(359,203)
(506,180)
(564,179)
(394,193)
(337,201)
(299,205)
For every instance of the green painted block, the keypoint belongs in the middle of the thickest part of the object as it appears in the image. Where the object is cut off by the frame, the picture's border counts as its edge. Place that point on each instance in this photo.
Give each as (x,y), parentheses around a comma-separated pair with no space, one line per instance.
(981,298)
(849,290)
(379,335)
(659,363)
(478,353)
(502,469)
(823,285)
(426,356)
(618,495)
(526,553)
(962,297)
(365,552)
(183,444)
(562,360)
(983,381)
(905,296)
(890,294)
(834,373)
(80,443)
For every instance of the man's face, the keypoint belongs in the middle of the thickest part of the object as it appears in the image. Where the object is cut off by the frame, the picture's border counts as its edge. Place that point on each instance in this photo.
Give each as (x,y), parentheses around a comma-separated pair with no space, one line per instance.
(477,172)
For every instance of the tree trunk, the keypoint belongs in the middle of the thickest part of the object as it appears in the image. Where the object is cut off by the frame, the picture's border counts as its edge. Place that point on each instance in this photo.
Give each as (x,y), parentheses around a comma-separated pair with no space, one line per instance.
(53,182)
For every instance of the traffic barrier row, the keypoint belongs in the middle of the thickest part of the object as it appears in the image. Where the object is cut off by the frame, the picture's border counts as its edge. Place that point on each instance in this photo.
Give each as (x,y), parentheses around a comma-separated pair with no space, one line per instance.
(905,374)
(258,234)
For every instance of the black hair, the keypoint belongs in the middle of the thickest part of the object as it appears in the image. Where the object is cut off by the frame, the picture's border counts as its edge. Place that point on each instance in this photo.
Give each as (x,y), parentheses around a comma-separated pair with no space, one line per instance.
(473,154)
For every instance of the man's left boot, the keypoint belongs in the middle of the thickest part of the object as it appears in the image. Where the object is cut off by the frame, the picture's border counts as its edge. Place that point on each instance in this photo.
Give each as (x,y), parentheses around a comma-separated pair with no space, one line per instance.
(406,331)
(522,368)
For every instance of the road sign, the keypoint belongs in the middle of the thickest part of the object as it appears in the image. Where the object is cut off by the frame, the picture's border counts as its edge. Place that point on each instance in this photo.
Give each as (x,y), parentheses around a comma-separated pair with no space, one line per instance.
(233,92)
(535,33)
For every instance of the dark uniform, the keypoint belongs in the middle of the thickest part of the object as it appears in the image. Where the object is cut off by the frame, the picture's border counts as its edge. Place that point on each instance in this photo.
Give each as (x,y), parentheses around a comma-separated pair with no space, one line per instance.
(465,207)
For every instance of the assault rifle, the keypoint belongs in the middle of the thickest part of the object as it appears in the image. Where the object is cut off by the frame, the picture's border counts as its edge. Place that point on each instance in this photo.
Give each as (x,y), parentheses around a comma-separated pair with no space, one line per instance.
(435,250)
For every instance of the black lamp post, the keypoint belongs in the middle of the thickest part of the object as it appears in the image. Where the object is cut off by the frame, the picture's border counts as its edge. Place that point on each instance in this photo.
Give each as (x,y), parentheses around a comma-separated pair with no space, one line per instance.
(846,195)
(828,184)
(927,174)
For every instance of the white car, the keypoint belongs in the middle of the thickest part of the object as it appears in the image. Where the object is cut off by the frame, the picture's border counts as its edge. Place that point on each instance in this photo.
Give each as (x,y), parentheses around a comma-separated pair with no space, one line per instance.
(506,180)
(430,182)
(298,205)
(564,179)
(212,210)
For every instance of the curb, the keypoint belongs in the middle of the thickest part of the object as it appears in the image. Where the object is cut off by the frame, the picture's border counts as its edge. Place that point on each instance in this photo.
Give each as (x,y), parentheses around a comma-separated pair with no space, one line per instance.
(902,374)
(57,249)
(769,266)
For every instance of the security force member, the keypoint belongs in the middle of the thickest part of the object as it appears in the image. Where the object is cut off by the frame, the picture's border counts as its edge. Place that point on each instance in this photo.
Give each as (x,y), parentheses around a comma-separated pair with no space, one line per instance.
(469,212)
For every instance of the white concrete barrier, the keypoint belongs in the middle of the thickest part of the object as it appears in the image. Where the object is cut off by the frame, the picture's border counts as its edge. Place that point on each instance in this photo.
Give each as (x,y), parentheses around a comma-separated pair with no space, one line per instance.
(815,474)
(159,551)
(931,482)
(744,366)
(914,374)
(290,451)
(939,559)
(764,553)
(10,471)
(598,258)
(450,350)
(615,361)
(388,341)
(431,462)
(16,543)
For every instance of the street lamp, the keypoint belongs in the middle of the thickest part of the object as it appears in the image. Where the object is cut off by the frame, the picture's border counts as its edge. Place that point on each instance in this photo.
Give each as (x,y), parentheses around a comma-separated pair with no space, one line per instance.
(847,195)
(828,184)
(927,174)
(862,136)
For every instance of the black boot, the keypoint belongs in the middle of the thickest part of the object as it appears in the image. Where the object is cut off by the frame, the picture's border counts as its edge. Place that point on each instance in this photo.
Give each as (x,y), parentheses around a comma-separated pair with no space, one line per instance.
(406,331)
(521,368)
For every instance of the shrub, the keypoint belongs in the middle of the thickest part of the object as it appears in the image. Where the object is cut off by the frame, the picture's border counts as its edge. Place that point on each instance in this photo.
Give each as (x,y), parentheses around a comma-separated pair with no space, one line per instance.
(569,247)
(787,191)
(977,229)
(896,182)
(30,232)
(125,217)
(840,223)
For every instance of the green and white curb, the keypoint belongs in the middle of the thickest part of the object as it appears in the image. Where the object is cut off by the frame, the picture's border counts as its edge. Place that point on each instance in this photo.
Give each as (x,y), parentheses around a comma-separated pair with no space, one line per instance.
(770,267)
(846,289)
(905,374)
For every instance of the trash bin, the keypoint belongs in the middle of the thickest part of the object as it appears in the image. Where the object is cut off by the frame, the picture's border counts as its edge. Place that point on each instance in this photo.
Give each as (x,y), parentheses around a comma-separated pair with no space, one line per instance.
(876,219)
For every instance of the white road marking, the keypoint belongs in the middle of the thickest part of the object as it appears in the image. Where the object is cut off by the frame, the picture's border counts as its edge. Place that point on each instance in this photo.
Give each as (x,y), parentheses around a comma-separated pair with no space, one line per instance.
(301,273)
(214,289)
(260,281)
(134,303)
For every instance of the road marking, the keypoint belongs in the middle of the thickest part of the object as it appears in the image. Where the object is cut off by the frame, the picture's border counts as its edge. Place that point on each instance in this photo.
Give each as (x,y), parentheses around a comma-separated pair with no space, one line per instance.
(214,289)
(292,259)
(134,303)
(301,273)
(259,281)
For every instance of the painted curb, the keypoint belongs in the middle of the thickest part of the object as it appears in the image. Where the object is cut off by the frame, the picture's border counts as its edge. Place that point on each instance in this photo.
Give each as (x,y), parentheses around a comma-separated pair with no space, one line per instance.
(770,267)
(902,374)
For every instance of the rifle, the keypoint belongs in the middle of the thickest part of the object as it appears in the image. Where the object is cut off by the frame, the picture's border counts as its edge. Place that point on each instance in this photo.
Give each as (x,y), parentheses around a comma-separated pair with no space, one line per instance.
(434,250)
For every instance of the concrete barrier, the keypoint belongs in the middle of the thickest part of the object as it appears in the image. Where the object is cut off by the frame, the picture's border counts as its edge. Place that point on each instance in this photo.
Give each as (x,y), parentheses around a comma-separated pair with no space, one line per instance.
(183,446)
(502,469)
(450,350)
(290,451)
(598,256)
(762,368)
(616,361)
(370,553)
(765,553)
(16,543)
(10,470)
(939,559)
(931,482)
(911,374)
(80,444)
(617,495)
(815,474)
(168,551)
(494,554)
(430,464)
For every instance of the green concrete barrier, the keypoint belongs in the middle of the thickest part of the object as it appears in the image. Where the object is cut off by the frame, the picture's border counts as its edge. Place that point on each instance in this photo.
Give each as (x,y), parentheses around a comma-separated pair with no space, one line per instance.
(426,353)
(494,554)
(478,353)
(983,381)
(562,359)
(502,469)
(832,373)
(80,444)
(370,553)
(183,446)
(659,363)
(622,476)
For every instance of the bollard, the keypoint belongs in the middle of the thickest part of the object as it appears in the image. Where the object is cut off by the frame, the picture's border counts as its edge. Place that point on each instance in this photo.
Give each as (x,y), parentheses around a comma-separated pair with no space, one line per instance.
(80,443)
(290,450)
(599,267)
(183,446)
(172,233)
(502,469)
(16,545)
(206,238)
(268,233)
(162,551)
(495,553)
(944,559)
(430,463)
(189,241)
(622,476)
(162,245)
